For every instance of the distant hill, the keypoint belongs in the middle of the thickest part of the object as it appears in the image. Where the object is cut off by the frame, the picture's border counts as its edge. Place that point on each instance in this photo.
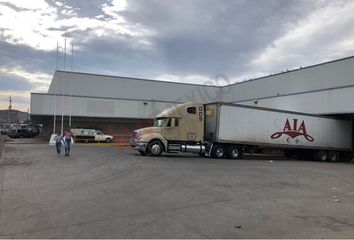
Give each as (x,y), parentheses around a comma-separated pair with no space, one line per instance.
(16,116)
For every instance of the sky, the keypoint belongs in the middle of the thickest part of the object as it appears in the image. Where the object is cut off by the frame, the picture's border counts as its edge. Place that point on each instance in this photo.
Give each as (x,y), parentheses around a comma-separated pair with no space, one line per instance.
(194,41)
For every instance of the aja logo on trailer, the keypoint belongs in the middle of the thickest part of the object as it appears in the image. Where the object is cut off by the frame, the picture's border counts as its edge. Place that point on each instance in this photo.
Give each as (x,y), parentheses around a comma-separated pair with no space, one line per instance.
(293,131)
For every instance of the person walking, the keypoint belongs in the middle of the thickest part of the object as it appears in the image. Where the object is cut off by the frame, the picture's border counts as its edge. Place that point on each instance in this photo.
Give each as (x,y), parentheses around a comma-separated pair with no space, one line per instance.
(67,137)
(58,139)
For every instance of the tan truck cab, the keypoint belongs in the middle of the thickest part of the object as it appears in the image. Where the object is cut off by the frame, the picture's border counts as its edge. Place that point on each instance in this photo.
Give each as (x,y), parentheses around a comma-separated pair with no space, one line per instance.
(173,128)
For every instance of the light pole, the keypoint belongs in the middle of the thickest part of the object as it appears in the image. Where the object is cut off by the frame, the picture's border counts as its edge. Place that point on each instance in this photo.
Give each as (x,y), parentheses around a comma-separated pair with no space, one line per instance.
(9,112)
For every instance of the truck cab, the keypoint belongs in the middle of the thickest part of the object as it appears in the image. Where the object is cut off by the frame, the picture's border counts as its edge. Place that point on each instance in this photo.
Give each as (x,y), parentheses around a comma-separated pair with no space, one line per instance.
(174,129)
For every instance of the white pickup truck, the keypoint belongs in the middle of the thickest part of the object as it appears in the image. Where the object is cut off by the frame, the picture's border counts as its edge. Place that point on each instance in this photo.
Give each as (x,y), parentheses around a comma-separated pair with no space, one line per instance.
(90,135)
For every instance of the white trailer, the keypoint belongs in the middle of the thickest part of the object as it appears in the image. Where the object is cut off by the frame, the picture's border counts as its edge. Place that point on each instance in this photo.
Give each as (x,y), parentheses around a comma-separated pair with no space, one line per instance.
(296,133)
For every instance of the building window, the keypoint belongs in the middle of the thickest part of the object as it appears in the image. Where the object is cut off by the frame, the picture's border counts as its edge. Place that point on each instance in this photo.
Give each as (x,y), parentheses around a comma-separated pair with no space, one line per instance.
(192,110)
(176,122)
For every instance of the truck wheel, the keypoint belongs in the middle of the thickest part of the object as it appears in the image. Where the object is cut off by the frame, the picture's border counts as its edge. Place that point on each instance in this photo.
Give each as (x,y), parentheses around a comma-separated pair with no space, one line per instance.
(218,151)
(332,156)
(155,148)
(108,140)
(321,156)
(233,152)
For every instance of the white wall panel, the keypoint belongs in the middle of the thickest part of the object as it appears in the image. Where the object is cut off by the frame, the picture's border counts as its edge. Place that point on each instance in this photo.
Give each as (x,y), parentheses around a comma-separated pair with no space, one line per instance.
(92,85)
(337,101)
(44,104)
(323,89)
(323,76)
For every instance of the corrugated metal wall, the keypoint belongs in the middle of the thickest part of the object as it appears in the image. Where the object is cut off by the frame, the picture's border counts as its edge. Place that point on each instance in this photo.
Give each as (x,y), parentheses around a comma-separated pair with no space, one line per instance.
(324,89)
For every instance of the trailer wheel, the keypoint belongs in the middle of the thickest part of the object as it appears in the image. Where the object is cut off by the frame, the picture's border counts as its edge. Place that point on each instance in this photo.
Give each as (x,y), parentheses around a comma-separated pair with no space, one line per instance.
(155,148)
(218,151)
(332,156)
(321,156)
(233,152)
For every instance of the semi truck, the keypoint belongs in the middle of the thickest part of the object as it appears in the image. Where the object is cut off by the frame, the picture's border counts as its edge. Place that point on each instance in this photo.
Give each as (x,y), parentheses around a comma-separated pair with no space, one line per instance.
(224,130)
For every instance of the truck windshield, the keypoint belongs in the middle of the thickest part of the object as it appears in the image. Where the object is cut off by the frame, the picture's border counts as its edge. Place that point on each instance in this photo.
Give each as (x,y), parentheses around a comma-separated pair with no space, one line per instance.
(159,122)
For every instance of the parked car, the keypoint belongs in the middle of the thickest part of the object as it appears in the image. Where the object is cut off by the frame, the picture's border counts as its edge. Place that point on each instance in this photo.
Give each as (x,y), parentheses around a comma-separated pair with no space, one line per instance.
(90,135)
(21,133)
(3,132)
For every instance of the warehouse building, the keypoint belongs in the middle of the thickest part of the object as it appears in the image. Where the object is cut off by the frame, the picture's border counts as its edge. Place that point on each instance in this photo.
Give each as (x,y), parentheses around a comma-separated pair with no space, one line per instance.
(117,105)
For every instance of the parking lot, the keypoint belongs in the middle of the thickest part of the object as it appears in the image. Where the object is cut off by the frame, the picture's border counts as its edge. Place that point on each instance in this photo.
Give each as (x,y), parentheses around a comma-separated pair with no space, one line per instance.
(112,192)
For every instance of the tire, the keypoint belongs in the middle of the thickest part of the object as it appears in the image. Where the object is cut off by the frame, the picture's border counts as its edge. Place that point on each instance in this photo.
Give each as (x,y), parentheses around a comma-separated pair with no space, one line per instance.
(142,153)
(155,148)
(108,140)
(218,151)
(321,156)
(332,156)
(233,152)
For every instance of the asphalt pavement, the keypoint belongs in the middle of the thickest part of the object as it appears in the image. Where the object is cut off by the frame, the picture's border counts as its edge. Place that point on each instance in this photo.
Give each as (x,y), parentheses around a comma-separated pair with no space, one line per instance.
(112,192)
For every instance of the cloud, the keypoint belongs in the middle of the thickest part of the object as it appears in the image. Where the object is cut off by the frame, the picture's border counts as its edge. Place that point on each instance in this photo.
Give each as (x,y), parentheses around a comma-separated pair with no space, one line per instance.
(20,100)
(29,5)
(18,83)
(113,8)
(38,80)
(42,25)
(212,37)
(192,41)
(326,34)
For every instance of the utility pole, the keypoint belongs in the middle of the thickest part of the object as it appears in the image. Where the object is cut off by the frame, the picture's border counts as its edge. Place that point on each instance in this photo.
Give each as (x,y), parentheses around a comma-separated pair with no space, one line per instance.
(27,117)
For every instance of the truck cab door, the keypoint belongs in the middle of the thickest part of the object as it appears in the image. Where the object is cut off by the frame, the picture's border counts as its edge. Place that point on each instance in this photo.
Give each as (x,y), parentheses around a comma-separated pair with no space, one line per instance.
(99,136)
(172,129)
